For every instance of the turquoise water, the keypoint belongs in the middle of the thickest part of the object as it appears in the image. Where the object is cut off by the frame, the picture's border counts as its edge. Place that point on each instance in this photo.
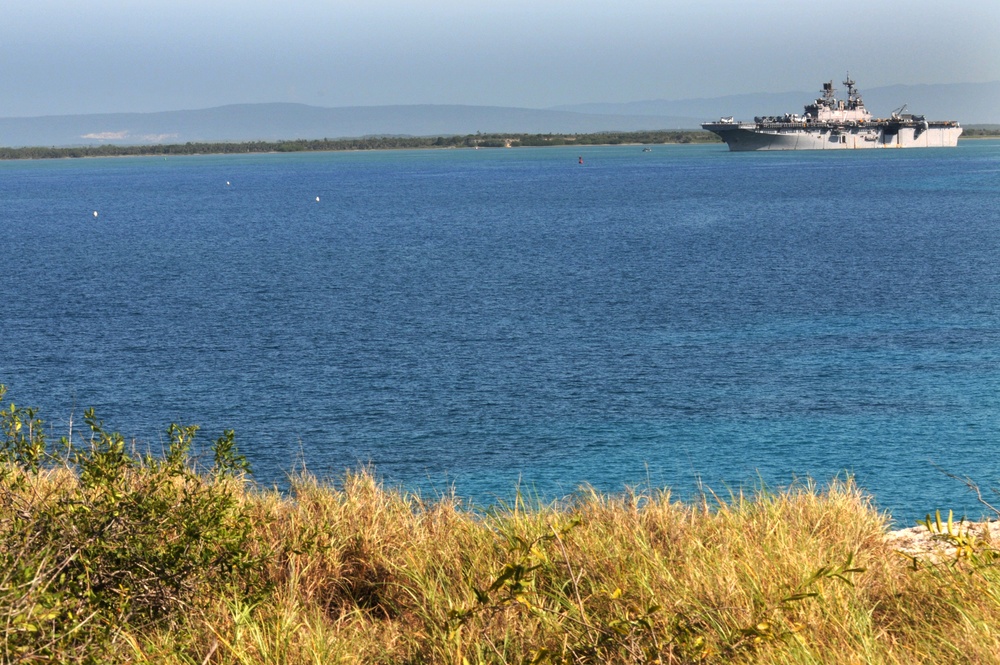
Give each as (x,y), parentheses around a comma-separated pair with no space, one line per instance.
(687,317)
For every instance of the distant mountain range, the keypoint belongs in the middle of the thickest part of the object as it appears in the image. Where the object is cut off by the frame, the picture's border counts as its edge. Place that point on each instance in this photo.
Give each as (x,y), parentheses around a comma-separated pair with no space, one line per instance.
(272,122)
(969,103)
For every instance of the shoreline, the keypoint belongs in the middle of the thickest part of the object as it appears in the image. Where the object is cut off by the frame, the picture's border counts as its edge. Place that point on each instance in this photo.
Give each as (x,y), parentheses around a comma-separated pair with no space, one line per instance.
(377,144)
(469,141)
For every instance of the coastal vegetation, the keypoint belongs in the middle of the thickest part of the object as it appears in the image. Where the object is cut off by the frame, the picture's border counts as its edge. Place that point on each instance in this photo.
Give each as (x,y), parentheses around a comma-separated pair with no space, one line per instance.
(981,132)
(365,143)
(479,140)
(109,554)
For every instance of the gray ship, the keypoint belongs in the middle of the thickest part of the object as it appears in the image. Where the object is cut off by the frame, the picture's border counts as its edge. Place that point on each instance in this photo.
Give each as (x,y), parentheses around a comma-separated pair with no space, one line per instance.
(834,124)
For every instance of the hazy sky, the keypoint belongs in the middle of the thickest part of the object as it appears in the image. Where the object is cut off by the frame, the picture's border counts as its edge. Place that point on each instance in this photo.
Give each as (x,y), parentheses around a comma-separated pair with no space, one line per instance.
(64,57)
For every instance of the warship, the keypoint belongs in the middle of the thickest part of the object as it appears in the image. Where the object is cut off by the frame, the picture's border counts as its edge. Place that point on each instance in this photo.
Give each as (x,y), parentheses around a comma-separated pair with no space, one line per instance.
(835,124)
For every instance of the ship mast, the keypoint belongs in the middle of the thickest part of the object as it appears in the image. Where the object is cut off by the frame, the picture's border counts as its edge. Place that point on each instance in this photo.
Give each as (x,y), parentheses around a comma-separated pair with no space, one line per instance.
(853,98)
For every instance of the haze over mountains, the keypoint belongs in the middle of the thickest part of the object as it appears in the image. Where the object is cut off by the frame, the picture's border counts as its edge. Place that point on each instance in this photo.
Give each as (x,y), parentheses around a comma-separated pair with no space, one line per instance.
(969,103)
(272,122)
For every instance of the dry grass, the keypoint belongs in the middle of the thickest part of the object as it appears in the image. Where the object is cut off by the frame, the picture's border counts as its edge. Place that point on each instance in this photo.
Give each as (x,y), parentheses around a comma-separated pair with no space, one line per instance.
(356,573)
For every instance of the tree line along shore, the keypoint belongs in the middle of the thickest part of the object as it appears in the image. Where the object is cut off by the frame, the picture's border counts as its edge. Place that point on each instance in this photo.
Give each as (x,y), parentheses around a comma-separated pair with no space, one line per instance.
(478,140)
(113,555)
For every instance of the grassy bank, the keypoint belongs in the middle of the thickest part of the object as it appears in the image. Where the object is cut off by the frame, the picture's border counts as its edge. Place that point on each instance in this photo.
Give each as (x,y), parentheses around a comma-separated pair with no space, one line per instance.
(108,555)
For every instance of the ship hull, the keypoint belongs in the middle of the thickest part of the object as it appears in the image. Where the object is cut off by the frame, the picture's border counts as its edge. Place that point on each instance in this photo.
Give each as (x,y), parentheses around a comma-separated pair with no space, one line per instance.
(752,137)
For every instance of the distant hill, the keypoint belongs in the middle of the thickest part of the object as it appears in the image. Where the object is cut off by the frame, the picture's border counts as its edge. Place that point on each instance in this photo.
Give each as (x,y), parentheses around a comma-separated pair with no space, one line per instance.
(969,103)
(272,122)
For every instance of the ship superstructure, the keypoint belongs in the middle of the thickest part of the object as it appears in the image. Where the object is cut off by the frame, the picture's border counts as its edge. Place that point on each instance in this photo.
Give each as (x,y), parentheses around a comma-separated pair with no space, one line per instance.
(836,124)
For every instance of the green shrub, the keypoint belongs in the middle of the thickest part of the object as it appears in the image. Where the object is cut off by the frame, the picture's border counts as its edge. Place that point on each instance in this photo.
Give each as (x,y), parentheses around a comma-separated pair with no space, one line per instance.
(116,539)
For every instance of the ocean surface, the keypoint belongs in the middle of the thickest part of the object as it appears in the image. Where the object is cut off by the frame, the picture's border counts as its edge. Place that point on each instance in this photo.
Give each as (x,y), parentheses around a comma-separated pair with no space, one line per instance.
(487,320)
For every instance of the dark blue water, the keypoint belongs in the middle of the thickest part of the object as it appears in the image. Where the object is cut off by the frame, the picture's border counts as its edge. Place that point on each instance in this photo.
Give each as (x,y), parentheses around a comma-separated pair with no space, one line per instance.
(472,318)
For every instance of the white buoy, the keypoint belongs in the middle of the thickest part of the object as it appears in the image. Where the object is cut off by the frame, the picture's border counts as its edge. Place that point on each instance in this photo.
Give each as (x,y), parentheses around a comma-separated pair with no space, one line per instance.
(227,183)
(95,214)
(317,199)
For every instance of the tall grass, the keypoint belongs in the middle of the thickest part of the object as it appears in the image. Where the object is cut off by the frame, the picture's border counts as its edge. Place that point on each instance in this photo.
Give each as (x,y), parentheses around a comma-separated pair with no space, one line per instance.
(110,556)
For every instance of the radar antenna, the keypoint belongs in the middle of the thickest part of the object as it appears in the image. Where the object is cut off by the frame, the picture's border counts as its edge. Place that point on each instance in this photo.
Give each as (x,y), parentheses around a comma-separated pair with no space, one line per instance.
(851,90)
